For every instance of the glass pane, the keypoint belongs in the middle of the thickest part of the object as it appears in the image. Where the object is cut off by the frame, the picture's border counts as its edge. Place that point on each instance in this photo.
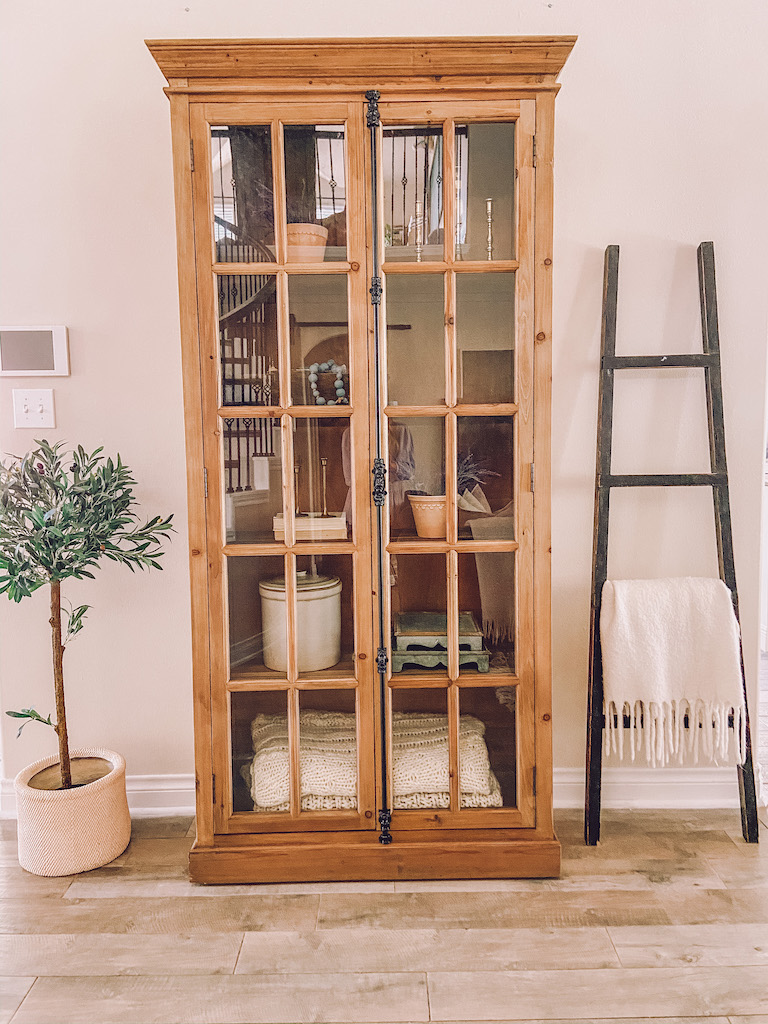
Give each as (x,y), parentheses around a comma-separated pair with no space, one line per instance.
(416,477)
(488,747)
(420,759)
(319,339)
(248,339)
(327,750)
(253,490)
(316,193)
(487,611)
(485,190)
(413,193)
(325,626)
(485,477)
(322,467)
(257,637)
(243,206)
(260,756)
(415,339)
(485,338)
(419,605)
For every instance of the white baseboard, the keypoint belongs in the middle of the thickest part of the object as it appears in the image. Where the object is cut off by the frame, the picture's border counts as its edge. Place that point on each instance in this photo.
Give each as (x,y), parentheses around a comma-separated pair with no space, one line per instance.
(684,788)
(148,795)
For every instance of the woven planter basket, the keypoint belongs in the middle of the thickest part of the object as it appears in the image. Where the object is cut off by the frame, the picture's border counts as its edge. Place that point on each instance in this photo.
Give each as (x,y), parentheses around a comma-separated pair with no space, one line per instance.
(66,831)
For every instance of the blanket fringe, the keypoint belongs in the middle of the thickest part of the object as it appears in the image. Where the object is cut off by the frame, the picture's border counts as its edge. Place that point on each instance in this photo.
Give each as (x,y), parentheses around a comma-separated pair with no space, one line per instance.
(658,731)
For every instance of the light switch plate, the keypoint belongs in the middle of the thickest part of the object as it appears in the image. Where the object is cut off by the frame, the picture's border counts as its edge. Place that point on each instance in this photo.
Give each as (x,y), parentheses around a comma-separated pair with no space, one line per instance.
(33,408)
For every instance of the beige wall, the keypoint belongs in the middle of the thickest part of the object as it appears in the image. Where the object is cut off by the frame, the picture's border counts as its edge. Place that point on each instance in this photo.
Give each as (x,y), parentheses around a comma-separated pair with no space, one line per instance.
(661,142)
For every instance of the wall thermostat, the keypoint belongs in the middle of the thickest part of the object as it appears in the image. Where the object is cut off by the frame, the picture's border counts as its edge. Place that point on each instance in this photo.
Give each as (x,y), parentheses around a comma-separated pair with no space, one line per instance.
(34,352)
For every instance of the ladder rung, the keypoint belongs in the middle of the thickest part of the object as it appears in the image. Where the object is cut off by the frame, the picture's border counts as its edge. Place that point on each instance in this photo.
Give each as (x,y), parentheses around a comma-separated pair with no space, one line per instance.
(662,480)
(658,362)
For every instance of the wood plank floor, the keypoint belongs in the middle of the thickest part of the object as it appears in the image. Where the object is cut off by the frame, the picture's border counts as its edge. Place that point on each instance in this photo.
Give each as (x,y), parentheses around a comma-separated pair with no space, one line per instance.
(666,920)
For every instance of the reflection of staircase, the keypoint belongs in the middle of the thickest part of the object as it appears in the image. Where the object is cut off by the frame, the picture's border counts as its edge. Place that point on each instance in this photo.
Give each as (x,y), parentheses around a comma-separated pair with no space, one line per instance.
(247,324)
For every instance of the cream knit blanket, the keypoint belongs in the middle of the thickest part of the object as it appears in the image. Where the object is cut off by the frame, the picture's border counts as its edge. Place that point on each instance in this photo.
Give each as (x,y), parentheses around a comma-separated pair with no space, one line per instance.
(670,649)
(328,762)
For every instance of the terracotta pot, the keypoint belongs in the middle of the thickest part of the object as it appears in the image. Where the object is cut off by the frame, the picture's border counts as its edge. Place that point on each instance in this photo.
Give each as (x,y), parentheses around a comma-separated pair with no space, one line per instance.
(429,514)
(66,831)
(306,243)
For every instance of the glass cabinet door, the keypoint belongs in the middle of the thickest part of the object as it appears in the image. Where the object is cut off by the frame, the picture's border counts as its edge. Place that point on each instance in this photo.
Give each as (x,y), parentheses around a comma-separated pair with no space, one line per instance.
(457,261)
(283,207)
(285,402)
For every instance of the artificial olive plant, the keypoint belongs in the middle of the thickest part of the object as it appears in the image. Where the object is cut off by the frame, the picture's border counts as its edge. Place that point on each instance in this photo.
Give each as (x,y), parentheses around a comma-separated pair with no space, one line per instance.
(60,513)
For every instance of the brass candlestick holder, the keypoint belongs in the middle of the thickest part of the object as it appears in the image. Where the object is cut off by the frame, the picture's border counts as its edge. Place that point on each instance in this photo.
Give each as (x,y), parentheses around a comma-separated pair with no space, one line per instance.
(324,465)
(489,218)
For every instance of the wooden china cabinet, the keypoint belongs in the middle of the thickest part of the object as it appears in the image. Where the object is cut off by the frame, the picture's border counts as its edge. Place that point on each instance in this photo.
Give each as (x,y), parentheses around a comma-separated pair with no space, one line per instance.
(365,264)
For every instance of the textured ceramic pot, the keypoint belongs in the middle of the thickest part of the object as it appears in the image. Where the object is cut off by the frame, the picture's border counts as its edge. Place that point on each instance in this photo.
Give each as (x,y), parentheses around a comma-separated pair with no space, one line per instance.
(66,831)
(306,243)
(429,514)
(318,622)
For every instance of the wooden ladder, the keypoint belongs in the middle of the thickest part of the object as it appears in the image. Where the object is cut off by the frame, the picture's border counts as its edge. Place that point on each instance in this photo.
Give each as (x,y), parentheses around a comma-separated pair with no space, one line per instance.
(605,480)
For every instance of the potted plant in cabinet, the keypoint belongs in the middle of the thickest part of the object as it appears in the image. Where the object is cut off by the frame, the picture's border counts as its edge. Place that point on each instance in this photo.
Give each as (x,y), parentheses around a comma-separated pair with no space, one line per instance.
(61,512)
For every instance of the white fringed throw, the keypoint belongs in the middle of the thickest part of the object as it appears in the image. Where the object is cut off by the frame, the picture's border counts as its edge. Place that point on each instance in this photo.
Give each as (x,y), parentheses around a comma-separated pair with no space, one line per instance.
(670,648)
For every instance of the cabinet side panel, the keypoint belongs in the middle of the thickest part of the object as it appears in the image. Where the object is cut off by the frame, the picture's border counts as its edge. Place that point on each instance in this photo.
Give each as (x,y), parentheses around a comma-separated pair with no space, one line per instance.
(545,116)
(198,558)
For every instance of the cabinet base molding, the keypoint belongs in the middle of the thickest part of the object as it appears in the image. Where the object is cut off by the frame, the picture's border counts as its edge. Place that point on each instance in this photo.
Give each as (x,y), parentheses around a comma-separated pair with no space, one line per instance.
(359,857)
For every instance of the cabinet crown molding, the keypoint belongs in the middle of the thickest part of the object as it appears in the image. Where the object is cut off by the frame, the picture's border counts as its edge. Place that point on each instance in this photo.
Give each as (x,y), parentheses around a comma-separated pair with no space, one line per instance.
(377,60)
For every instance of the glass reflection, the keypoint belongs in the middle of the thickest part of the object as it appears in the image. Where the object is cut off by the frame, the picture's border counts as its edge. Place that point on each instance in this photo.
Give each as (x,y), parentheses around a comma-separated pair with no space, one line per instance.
(485,338)
(415,339)
(487,603)
(327,750)
(412,162)
(260,754)
(485,191)
(243,204)
(248,339)
(319,339)
(315,189)
(252,478)
(488,717)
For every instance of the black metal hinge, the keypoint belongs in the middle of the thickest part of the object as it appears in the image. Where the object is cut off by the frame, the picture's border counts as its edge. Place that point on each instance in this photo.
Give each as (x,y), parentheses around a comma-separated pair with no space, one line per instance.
(191,156)
(375,291)
(214,789)
(205,481)
(385,822)
(379,482)
(533,478)
(372,118)
(381,660)
(534,150)
(534,780)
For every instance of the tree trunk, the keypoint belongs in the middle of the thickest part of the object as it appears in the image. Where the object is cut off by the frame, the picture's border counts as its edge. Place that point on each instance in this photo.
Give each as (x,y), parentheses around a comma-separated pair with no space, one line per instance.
(58,684)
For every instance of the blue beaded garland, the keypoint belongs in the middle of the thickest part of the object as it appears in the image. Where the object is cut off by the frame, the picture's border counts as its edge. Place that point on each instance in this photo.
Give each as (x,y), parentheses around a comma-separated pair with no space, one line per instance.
(341,392)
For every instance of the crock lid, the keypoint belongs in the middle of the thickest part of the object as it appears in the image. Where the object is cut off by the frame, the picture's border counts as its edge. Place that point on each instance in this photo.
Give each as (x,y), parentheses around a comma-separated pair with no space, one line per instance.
(304,581)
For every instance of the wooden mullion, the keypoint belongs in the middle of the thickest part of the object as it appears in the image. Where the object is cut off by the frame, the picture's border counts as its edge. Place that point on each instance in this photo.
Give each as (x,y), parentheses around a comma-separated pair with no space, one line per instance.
(291,617)
(451,459)
(294,752)
(451,355)
(428,546)
(279,201)
(265,268)
(452,594)
(454,756)
(458,266)
(449,191)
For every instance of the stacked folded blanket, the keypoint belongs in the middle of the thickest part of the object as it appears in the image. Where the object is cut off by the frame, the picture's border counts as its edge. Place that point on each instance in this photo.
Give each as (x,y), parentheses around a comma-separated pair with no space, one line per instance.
(328,762)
